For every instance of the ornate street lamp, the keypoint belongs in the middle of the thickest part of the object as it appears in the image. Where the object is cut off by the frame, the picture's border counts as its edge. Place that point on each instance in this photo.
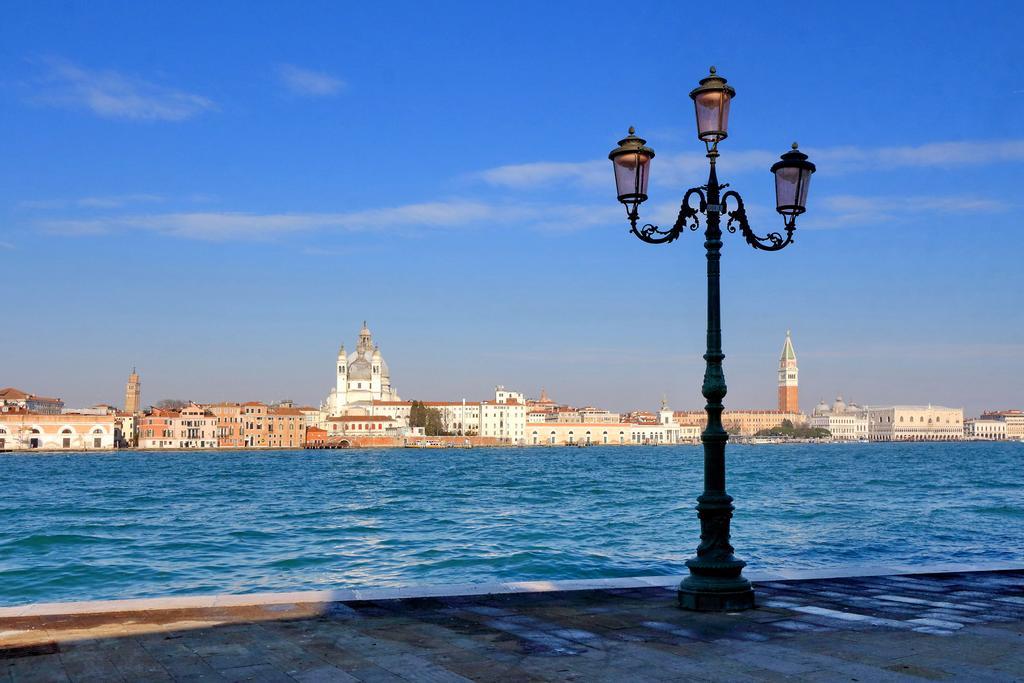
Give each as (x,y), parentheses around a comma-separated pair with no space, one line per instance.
(716,580)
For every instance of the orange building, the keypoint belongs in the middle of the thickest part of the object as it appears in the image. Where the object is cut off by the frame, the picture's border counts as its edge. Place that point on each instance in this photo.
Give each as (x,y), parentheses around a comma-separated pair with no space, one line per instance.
(229,424)
(157,428)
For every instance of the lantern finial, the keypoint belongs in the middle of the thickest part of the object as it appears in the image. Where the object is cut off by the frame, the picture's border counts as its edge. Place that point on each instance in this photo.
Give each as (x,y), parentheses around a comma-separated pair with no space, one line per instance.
(713,69)
(632,130)
(795,145)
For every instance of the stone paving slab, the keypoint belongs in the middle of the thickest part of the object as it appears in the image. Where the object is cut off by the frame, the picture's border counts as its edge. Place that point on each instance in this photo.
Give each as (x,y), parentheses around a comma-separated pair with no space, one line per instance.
(950,626)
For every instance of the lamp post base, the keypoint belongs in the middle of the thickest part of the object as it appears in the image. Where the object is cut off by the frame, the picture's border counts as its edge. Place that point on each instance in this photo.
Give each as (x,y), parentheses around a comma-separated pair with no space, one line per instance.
(706,594)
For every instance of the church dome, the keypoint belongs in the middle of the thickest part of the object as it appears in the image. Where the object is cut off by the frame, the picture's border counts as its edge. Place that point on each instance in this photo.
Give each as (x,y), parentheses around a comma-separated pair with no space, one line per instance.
(821,408)
(360,369)
(839,406)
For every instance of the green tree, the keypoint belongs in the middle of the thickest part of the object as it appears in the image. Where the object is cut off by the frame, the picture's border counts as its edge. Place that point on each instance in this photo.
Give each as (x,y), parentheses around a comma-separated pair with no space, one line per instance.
(429,419)
(171,404)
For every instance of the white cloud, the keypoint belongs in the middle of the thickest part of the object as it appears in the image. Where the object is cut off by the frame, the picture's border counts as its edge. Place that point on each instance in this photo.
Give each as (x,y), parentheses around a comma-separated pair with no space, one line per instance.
(108,202)
(691,168)
(309,83)
(221,226)
(110,94)
(840,211)
(929,155)
(6,246)
(524,176)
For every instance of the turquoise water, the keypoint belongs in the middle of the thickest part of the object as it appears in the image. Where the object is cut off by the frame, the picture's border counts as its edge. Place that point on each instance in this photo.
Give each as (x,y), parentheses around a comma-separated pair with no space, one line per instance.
(92,526)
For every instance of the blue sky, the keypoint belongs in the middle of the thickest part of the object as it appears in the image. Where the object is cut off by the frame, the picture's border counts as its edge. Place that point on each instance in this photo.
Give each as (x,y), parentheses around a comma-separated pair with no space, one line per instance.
(220,193)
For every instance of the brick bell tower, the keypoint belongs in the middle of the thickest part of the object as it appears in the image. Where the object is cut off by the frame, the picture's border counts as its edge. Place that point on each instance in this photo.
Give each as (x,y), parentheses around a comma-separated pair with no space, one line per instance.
(789,393)
(131,393)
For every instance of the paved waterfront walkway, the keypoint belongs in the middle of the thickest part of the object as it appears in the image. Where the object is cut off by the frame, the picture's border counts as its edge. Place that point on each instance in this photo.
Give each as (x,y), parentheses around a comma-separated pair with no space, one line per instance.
(953,626)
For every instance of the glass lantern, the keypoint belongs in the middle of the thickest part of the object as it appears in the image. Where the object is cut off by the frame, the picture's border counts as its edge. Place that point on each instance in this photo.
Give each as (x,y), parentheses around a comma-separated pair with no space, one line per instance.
(711,101)
(632,162)
(792,180)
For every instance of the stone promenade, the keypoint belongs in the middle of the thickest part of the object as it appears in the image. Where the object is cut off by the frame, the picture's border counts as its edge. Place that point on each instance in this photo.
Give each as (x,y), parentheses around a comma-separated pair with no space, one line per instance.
(951,626)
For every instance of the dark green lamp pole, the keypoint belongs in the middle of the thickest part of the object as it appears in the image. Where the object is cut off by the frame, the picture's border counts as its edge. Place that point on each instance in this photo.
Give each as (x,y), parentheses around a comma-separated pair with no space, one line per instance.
(716,581)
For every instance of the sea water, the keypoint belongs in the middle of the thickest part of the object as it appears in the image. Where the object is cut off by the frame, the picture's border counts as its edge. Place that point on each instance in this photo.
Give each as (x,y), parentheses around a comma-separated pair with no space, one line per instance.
(81,526)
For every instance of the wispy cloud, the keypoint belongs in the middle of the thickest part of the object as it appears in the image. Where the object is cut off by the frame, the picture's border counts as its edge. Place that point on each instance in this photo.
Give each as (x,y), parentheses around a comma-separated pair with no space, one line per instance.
(307,82)
(222,226)
(108,202)
(113,95)
(840,211)
(929,155)
(680,168)
(6,246)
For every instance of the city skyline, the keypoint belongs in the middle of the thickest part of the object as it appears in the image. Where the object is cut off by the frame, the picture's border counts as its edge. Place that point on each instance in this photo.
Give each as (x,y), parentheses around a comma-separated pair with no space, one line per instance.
(203,215)
(786,366)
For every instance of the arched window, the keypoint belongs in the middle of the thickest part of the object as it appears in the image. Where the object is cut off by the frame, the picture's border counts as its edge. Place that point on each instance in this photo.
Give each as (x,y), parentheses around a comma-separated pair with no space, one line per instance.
(65,431)
(97,431)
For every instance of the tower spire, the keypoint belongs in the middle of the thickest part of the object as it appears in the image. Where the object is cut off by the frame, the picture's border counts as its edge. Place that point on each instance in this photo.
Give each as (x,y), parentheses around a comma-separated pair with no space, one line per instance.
(789,396)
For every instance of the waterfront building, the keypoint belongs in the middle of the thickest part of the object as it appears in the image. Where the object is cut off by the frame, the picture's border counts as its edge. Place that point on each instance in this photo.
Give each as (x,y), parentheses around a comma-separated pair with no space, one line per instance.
(126,430)
(98,409)
(230,429)
(583,415)
(586,433)
(915,423)
(644,428)
(361,425)
(284,428)
(543,404)
(1014,420)
(24,430)
(845,421)
(743,422)
(311,416)
(989,429)
(156,428)
(504,418)
(360,377)
(789,393)
(196,427)
(132,392)
(16,399)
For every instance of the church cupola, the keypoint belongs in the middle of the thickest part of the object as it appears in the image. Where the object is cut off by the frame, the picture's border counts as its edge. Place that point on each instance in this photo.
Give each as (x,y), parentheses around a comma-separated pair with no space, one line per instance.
(365,339)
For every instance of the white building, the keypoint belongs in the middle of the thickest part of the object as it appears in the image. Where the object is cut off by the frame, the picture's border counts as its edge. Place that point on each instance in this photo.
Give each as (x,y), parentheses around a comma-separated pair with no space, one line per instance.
(1014,420)
(846,422)
(27,431)
(504,418)
(987,429)
(361,377)
(665,430)
(915,423)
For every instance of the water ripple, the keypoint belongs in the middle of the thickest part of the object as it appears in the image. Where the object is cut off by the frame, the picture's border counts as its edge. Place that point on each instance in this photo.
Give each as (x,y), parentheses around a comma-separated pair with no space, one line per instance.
(94,526)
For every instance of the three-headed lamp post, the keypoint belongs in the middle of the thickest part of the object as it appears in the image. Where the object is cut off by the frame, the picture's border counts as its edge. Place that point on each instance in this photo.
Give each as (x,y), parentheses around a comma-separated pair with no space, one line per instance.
(716,580)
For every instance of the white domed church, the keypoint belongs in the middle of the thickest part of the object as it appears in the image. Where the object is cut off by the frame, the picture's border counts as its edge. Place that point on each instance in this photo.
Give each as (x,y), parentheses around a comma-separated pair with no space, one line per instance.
(362,377)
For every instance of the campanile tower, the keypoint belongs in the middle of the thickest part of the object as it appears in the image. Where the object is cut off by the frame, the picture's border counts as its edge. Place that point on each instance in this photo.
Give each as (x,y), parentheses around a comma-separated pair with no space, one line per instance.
(131,393)
(789,393)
